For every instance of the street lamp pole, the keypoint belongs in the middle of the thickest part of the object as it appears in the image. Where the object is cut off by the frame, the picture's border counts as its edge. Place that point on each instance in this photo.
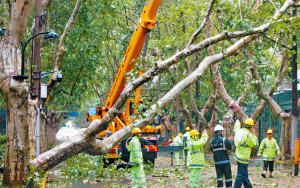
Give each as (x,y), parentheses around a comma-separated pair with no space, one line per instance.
(37,72)
(294,97)
(23,51)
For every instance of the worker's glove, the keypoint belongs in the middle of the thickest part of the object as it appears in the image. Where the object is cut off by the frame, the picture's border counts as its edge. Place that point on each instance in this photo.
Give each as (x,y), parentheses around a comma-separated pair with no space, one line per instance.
(258,156)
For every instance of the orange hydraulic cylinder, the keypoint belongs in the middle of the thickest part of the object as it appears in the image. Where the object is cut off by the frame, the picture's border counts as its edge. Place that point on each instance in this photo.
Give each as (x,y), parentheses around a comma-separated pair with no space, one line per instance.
(145,24)
(297,150)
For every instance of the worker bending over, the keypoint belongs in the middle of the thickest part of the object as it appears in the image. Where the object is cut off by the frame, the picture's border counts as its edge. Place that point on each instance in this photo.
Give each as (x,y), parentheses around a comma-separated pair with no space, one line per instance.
(136,159)
(186,143)
(244,141)
(270,150)
(177,140)
(197,156)
(220,147)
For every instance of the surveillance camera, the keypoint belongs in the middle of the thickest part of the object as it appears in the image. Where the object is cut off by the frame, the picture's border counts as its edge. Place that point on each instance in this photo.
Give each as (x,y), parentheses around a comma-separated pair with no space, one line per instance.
(59,76)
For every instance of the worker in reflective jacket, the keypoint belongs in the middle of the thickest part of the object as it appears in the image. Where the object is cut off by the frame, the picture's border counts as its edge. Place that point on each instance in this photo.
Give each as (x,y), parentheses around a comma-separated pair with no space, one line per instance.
(270,150)
(197,156)
(178,142)
(136,160)
(220,147)
(244,141)
(186,144)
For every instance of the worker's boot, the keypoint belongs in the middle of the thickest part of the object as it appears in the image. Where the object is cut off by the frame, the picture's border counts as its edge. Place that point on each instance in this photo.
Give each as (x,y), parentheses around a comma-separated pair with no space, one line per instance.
(263,175)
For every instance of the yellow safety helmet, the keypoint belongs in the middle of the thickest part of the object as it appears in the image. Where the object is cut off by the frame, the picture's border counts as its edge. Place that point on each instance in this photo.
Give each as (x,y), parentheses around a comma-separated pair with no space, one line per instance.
(187,129)
(249,121)
(270,131)
(180,135)
(136,130)
(194,132)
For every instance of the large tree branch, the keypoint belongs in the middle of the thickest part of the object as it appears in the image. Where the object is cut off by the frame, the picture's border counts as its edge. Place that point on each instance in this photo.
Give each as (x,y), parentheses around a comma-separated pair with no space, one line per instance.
(229,115)
(82,141)
(107,143)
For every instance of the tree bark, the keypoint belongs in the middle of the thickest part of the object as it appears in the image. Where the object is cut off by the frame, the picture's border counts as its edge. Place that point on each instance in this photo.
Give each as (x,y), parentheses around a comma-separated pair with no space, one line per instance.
(15,94)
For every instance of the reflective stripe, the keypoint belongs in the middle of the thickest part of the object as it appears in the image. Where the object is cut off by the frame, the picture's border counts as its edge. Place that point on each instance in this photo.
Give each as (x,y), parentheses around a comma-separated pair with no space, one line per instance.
(245,160)
(222,162)
(268,158)
(196,165)
(228,180)
(197,152)
(219,149)
(220,179)
(132,163)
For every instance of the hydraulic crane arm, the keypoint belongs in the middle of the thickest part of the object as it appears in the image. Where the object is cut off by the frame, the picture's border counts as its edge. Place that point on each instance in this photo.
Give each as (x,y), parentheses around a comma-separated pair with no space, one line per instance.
(145,24)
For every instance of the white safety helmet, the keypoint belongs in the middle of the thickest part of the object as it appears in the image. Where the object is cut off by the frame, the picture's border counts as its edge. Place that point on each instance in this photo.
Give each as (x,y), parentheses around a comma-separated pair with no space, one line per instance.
(219,128)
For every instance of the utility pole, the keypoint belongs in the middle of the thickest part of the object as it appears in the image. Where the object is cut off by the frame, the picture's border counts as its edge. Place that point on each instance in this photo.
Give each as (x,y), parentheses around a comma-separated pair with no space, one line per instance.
(177,116)
(37,71)
(294,95)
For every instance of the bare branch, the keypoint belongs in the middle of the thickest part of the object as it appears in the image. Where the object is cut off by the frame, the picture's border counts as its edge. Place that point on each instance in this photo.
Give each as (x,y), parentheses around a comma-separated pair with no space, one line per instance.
(273,5)
(240,9)
(206,16)
(127,17)
(63,37)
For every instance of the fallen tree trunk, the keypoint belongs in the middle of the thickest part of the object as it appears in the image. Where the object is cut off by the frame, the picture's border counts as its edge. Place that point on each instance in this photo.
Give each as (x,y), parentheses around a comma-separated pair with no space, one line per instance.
(84,140)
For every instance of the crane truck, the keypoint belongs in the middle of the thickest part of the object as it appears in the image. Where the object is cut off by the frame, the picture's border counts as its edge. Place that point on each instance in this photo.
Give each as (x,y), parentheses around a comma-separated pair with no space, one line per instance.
(150,134)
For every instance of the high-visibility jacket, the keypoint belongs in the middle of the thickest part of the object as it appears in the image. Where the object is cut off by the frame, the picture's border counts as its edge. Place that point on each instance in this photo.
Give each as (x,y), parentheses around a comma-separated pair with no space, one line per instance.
(177,140)
(136,155)
(186,139)
(197,152)
(269,149)
(244,141)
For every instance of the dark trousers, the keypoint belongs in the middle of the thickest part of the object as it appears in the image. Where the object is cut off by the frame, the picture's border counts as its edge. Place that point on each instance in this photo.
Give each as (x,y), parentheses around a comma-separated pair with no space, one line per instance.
(270,164)
(242,176)
(224,170)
